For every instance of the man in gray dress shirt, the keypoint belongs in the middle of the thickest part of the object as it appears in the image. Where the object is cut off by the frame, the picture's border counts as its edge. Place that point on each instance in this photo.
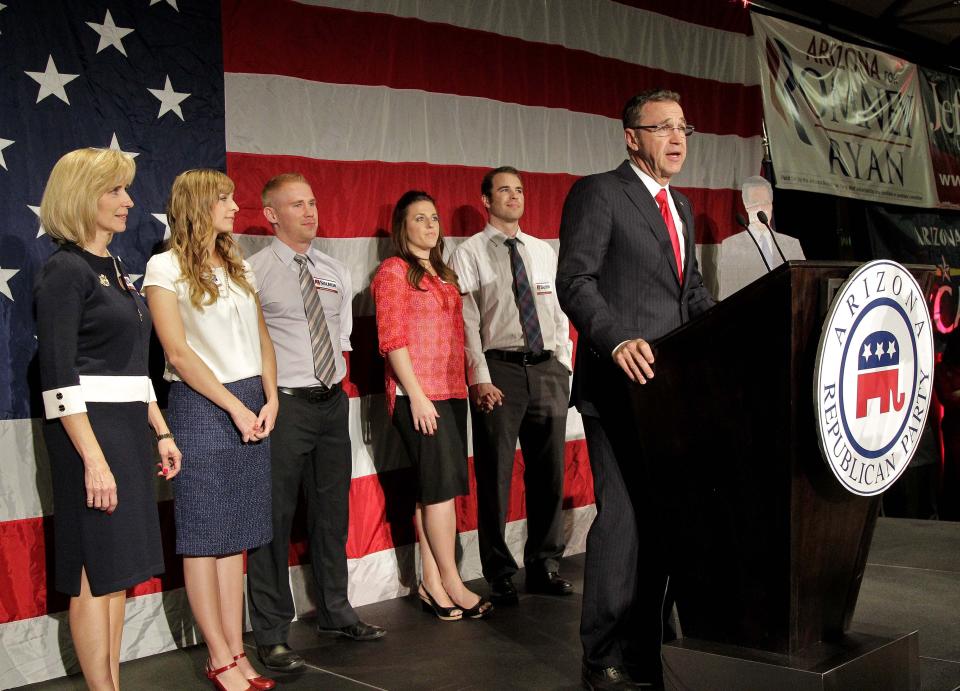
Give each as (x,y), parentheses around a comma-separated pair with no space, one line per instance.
(518,352)
(310,446)
(746,256)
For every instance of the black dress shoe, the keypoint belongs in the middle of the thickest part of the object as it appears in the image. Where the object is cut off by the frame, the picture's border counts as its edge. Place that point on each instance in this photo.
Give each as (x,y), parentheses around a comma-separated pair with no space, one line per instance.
(279,657)
(549,583)
(358,631)
(606,678)
(503,592)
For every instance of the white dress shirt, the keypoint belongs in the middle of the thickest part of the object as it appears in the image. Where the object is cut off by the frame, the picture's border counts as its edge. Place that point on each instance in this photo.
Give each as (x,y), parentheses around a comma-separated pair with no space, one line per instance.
(225,334)
(490,313)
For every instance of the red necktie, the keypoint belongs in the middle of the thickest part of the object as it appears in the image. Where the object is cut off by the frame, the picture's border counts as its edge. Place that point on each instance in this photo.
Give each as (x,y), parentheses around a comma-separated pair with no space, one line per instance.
(671,229)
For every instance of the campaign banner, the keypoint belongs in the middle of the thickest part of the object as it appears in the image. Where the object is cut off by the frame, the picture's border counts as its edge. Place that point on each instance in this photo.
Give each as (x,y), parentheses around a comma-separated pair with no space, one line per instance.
(841,118)
(912,237)
(931,237)
(941,101)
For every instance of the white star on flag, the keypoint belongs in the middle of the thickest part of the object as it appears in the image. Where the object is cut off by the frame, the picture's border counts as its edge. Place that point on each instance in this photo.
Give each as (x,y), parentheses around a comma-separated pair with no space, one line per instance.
(891,348)
(5,276)
(110,34)
(115,145)
(36,210)
(169,99)
(52,82)
(866,351)
(172,3)
(879,349)
(166,226)
(4,143)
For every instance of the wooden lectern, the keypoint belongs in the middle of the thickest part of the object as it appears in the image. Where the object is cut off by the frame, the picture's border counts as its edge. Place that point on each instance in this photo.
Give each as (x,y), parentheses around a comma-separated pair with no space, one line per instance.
(767,550)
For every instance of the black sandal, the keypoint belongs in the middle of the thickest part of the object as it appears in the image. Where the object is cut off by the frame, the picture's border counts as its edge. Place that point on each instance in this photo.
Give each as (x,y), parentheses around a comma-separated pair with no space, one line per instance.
(482,609)
(430,605)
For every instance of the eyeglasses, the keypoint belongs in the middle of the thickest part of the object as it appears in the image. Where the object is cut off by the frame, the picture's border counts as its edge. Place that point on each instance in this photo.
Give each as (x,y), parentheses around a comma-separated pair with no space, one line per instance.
(665,130)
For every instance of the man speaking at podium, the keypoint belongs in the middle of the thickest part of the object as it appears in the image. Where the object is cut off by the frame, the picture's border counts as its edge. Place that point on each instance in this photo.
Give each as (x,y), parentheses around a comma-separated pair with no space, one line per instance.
(627,275)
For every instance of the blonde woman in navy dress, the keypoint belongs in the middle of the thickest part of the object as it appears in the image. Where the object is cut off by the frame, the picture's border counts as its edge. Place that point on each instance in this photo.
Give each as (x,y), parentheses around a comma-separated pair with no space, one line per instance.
(93,333)
(223,405)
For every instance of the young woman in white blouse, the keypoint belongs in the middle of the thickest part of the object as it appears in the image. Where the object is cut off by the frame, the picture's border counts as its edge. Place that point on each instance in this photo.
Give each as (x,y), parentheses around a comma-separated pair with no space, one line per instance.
(222,407)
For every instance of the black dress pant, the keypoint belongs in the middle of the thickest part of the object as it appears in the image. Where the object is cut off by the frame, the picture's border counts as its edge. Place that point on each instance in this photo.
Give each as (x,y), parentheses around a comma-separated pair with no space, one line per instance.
(626,595)
(310,448)
(534,410)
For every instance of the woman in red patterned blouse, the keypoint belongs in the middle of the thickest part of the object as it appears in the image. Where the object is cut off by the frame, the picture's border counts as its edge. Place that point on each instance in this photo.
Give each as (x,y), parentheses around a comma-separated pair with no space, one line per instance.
(420,327)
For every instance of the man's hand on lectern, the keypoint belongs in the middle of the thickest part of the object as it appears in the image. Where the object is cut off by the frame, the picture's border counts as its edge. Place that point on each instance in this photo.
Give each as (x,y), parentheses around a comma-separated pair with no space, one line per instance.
(636,359)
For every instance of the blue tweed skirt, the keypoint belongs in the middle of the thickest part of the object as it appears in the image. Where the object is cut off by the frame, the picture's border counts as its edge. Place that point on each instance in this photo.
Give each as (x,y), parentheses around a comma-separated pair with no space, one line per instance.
(221,498)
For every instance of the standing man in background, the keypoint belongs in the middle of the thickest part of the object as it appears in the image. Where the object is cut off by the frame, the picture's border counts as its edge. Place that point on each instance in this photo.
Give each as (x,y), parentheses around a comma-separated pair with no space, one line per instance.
(627,275)
(306,300)
(518,352)
(754,252)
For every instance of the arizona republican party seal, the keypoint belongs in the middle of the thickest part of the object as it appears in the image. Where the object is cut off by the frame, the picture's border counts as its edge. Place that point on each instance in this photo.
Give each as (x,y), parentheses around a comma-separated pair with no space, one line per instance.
(873,377)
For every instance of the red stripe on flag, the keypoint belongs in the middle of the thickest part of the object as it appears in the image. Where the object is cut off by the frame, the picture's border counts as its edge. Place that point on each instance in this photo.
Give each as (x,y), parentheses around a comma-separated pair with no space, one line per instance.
(381,506)
(27,567)
(355,198)
(337,46)
(381,517)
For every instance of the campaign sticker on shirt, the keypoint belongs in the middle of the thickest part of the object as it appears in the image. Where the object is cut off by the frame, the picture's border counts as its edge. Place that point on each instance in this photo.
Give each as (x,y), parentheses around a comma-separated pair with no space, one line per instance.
(326,284)
(543,287)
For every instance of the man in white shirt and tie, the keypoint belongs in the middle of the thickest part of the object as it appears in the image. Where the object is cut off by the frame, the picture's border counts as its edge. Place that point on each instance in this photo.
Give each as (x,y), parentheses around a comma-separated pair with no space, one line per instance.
(518,353)
(739,262)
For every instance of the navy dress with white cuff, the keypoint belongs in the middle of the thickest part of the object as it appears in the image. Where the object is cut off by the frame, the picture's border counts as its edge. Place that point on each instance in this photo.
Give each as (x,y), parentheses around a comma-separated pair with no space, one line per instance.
(93,332)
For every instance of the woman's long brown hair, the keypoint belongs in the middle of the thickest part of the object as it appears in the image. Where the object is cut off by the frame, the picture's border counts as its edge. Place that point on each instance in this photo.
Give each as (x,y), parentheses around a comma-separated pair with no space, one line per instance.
(401,242)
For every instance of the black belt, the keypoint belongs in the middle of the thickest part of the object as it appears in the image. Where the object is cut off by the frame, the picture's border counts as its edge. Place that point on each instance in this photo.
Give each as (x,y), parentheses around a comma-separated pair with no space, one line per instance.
(518,357)
(314,394)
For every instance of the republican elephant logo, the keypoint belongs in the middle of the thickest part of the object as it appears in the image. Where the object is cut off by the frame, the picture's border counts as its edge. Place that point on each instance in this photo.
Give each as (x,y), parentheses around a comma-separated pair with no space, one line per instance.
(878,373)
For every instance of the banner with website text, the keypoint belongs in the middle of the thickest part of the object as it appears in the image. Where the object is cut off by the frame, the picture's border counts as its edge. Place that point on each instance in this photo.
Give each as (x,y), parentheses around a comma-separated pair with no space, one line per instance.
(941,102)
(842,119)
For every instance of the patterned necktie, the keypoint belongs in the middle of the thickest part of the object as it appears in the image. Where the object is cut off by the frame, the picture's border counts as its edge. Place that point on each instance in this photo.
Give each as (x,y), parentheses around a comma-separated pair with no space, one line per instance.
(671,229)
(525,303)
(324,365)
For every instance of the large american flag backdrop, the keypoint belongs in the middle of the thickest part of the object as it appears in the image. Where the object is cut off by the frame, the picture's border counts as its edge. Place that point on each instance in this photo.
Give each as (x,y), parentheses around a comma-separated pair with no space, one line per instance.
(367,99)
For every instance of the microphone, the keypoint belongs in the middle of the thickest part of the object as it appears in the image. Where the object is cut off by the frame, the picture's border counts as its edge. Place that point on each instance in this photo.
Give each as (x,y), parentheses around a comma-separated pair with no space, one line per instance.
(762,217)
(742,222)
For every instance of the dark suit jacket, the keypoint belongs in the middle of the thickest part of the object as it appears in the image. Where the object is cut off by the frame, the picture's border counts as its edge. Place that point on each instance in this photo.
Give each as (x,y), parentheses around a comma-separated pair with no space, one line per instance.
(617,278)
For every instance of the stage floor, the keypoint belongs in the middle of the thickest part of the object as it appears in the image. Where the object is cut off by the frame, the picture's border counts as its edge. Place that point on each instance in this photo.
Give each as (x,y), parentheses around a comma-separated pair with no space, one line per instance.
(912,582)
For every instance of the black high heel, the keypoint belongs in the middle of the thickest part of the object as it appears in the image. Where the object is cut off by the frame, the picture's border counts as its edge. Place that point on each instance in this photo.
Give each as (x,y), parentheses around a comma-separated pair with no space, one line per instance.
(430,606)
(482,609)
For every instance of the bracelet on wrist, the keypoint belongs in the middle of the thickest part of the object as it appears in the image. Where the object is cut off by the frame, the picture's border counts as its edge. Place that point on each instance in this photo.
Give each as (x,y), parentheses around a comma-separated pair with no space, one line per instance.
(165,435)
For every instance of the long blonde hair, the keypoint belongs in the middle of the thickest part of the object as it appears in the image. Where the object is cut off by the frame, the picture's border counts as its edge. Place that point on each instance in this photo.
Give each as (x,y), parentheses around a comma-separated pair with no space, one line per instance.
(68,210)
(189,213)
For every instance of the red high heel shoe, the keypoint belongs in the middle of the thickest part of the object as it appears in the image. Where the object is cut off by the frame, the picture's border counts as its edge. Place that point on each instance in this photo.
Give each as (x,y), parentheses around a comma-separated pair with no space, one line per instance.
(261,683)
(212,675)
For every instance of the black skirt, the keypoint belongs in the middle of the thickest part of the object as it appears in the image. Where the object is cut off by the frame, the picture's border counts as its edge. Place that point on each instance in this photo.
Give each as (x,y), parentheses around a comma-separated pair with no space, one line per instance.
(440,461)
(120,550)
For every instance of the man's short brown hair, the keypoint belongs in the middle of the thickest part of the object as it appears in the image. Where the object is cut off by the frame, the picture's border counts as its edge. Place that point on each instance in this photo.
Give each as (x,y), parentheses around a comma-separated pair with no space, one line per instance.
(278,181)
(631,111)
(486,185)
